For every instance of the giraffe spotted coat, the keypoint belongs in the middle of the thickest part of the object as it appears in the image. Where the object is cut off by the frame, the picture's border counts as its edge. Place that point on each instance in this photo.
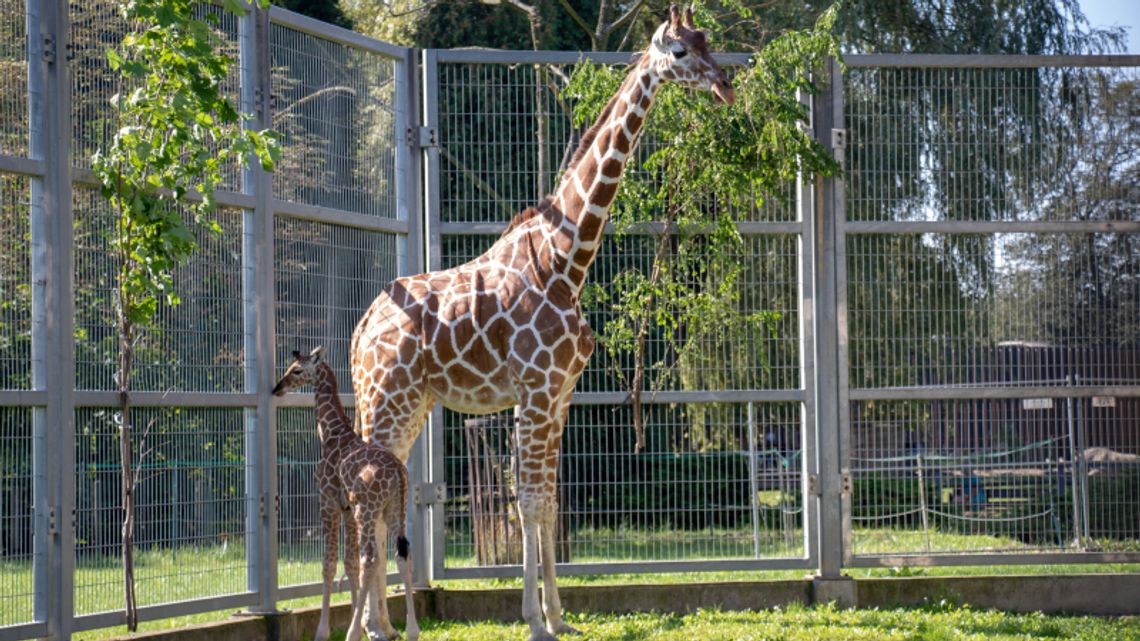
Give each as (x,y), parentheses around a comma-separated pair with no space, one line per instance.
(506,329)
(366,484)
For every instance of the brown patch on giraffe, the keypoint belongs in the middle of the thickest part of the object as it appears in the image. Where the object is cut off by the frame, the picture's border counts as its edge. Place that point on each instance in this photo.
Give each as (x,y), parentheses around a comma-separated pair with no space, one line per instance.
(443,349)
(526,307)
(589,227)
(564,351)
(584,257)
(611,168)
(622,142)
(575,201)
(488,306)
(603,194)
(464,334)
(525,343)
(542,359)
(462,377)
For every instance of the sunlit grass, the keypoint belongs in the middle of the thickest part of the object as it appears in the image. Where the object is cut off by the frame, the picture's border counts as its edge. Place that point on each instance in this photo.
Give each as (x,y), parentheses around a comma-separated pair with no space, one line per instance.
(941,622)
(167,575)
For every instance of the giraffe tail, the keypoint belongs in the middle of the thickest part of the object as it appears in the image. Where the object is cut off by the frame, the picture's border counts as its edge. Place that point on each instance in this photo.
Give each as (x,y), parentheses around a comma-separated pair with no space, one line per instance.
(402,546)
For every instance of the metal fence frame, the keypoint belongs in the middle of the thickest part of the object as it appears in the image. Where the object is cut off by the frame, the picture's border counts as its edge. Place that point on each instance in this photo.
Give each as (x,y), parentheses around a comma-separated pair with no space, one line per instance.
(53,403)
(825,393)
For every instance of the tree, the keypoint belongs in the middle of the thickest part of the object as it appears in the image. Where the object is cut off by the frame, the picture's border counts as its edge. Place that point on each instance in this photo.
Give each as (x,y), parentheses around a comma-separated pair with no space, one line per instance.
(176,132)
(328,11)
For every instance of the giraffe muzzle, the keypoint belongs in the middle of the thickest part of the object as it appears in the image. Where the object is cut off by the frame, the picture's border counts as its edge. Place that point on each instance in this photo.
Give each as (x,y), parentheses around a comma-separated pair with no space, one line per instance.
(723,92)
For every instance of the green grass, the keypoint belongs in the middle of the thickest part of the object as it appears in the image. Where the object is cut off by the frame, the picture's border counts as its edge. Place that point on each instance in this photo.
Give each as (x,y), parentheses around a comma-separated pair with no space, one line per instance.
(166,575)
(941,622)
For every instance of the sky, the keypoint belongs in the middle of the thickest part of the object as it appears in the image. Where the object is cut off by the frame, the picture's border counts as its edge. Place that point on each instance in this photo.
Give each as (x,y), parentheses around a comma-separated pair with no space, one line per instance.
(1123,13)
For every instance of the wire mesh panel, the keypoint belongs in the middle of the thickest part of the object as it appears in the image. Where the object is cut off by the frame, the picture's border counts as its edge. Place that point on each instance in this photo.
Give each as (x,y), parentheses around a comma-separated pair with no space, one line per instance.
(998,310)
(715,481)
(326,277)
(196,345)
(336,108)
(994,475)
(13,79)
(16,540)
(299,530)
(986,144)
(1025,305)
(190,524)
(15,285)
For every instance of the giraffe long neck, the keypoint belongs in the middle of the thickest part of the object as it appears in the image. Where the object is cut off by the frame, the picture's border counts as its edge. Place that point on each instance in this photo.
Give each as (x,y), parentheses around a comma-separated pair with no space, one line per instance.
(331,417)
(589,185)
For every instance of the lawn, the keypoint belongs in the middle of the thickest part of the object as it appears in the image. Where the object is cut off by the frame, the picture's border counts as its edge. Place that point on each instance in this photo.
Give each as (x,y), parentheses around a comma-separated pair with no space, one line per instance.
(940,622)
(166,575)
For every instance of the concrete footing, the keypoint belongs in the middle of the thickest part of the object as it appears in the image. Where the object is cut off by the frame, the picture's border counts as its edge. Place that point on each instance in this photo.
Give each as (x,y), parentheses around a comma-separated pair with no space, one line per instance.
(1100,594)
(843,591)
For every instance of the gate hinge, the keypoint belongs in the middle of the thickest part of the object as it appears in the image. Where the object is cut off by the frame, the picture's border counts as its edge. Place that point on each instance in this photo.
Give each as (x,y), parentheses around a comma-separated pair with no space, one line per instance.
(813,485)
(430,493)
(838,138)
(49,48)
(261,506)
(421,137)
(52,529)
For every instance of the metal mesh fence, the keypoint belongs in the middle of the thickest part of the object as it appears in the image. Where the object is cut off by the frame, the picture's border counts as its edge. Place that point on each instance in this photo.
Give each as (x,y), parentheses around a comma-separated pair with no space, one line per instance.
(986,144)
(999,310)
(336,108)
(326,277)
(994,475)
(715,481)
(1031,306)
(196,345)
(190,536)
(13,79)
(15,284)
(16,540)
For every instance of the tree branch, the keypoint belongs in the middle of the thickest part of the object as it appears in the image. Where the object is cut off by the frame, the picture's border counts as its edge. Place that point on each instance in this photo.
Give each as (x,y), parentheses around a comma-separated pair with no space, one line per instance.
(576,17)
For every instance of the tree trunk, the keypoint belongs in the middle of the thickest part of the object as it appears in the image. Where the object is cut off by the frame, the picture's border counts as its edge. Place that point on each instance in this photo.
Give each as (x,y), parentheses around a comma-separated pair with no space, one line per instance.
(126,361)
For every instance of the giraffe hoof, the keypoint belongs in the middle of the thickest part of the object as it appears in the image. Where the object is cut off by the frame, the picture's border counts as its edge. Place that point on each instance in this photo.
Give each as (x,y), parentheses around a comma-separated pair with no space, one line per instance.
(565,628)
(542,636)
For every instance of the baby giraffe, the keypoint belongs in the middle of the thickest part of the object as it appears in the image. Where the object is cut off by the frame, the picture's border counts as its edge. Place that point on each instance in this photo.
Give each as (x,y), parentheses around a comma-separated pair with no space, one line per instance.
(372,482)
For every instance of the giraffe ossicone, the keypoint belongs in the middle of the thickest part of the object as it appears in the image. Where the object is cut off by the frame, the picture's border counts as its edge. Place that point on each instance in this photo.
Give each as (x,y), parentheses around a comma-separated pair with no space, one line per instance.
(367,486)
(506,329)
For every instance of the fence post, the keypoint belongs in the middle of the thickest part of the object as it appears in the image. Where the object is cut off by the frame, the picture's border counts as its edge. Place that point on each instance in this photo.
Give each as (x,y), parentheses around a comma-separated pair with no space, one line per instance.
(408,168)
(829,395)
(432,245)
(53,304)
(258,308)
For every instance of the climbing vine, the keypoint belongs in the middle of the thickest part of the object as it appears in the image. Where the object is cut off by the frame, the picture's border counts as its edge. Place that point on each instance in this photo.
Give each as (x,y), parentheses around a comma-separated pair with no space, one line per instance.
(177,132)
(711,167)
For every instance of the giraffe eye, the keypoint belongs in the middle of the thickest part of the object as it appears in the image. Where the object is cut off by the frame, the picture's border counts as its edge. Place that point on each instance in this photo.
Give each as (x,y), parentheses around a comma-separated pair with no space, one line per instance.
(679,53)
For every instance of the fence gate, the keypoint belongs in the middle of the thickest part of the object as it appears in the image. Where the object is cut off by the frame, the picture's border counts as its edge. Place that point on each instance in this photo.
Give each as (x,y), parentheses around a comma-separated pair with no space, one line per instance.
(990,292)
(722,482)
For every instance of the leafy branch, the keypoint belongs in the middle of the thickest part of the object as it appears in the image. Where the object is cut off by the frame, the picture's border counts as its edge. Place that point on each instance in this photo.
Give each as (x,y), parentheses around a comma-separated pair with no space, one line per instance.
(712,166)
(176,134)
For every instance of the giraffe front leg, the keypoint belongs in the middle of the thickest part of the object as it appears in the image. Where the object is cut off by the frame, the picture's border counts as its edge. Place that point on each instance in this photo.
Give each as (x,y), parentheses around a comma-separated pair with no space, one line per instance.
(551,604)
(330,521)
(530,514)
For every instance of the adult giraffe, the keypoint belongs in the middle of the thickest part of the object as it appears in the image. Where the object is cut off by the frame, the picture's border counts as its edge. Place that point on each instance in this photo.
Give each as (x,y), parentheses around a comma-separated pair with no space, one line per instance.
(506,328)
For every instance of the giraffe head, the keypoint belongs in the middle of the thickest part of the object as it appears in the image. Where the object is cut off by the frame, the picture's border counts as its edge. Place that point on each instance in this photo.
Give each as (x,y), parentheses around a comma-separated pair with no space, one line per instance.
(680,53)
(302,371)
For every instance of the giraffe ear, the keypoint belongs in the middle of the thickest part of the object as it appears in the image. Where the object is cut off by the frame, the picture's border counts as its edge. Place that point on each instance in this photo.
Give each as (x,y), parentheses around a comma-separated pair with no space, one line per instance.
(316,353)
(296,354)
